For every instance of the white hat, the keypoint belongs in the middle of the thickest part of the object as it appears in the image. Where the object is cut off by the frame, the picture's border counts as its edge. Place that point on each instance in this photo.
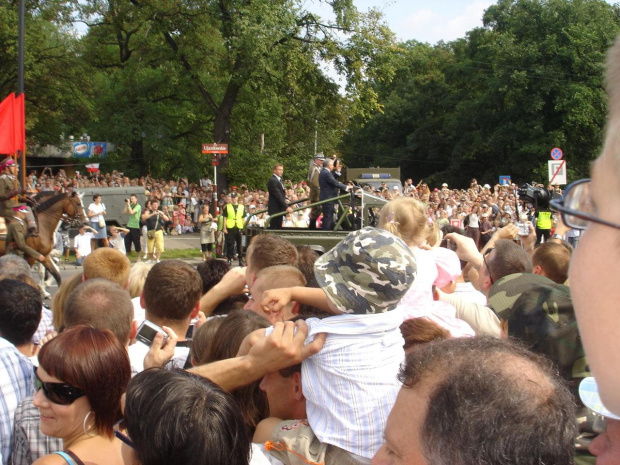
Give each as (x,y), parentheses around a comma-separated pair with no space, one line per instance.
(445,184)
(486,186)
(395,188)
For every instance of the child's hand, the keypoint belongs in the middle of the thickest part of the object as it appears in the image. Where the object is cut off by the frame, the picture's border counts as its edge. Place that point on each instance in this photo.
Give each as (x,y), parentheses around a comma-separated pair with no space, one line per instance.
(275,300)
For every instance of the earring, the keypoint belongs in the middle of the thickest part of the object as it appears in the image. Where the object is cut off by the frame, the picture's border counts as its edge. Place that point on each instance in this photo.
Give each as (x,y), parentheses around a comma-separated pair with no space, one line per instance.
(86,432)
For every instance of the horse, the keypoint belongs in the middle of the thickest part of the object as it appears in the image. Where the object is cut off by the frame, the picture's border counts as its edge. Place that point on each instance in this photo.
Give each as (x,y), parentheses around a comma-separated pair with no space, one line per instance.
(51,208)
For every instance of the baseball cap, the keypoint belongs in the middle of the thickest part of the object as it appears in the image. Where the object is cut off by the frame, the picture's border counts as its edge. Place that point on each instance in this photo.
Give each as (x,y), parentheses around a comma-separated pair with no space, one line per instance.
(233,195)
(486,186)
(589,395)
(540,313)
(369,271)
(445,184)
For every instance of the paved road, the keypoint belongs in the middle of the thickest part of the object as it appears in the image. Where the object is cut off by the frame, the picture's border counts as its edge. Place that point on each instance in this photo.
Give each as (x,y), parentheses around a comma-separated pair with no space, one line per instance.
(185,241)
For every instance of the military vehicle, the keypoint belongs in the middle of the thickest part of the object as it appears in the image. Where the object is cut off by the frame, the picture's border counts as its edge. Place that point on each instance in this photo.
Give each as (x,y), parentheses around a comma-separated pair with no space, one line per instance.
(374,178)
(114,200)
(362,209)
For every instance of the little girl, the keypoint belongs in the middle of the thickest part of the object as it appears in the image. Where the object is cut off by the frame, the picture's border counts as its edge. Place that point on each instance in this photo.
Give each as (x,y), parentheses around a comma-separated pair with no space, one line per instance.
(406,218)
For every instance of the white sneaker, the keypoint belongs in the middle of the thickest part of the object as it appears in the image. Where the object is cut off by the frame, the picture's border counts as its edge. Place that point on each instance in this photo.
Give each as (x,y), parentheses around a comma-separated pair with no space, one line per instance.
(145,257)
(158,261)
(149,261)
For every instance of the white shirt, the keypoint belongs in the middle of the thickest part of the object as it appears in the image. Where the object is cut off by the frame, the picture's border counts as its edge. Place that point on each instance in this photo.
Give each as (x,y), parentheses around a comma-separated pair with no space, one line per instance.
(94,208)
(138,351)
(81,243)
(118,243)
(351,384)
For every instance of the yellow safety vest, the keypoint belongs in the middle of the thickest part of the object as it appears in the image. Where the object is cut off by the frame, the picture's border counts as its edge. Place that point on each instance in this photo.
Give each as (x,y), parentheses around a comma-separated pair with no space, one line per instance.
(234,218)
(544,220)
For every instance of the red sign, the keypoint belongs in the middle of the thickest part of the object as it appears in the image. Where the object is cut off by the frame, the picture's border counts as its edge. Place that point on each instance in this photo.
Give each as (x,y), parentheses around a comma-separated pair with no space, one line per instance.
(214,148)
(215,160)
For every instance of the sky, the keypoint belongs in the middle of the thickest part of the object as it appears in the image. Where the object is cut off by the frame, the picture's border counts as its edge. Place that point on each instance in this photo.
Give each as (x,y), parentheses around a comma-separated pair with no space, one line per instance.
(428,20)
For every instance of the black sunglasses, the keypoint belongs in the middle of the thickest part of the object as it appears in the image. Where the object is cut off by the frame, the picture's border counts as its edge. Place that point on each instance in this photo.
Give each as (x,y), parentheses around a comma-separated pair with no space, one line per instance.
(118,428)
(58,393)
(487,252)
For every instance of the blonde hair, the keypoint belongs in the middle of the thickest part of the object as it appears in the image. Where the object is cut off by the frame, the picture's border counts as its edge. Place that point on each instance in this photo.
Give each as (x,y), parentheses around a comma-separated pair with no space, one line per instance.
(434,234)
(137,276)
(108,264)
(405,218)
(60,299)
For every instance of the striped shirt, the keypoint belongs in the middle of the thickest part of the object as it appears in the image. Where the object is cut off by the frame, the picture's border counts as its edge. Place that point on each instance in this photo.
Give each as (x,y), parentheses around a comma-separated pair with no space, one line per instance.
(351,384)
(16,383)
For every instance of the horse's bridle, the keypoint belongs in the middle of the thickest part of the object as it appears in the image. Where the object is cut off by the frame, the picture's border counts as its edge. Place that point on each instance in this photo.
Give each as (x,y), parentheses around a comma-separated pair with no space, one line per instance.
(70,220)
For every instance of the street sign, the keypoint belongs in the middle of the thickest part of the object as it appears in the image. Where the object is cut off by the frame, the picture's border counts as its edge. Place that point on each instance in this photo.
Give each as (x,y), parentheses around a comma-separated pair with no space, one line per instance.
(557,153)
(557,172)
(504,180)
(214,148)
(215,160)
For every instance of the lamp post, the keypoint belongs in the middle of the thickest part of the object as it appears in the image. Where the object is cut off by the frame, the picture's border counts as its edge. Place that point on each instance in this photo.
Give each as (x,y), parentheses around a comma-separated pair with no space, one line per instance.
(20,73)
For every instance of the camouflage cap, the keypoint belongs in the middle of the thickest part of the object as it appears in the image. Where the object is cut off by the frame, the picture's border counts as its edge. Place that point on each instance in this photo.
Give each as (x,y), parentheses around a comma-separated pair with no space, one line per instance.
(540,313)
(369,271)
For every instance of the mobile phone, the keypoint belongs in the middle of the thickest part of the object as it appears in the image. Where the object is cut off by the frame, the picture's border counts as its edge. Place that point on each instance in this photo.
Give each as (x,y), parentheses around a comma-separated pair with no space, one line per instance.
(147,332)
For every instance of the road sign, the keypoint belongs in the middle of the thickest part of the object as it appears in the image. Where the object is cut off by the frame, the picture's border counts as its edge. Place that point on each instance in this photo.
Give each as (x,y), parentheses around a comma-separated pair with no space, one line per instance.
(504,180)
(214,148)
(557,153)
(557,172)
(215,160)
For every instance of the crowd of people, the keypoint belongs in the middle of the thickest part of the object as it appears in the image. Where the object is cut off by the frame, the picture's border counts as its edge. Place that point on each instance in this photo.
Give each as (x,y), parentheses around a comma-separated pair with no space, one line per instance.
(416,341)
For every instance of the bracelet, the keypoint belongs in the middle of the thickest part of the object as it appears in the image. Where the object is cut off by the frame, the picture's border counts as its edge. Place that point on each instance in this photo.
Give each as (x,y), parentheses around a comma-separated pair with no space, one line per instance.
(557,236)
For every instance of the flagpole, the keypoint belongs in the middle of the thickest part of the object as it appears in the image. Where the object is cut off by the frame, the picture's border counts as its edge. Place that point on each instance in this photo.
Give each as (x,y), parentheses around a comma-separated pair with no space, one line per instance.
(20,76)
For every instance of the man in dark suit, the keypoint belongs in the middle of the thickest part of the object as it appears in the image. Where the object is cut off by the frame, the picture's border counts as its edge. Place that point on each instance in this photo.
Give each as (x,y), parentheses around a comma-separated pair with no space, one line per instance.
(277,199)
(329,187)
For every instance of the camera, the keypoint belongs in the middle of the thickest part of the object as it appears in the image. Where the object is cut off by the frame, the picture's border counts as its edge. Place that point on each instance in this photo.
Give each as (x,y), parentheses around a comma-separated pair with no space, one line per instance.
(147,332)
(126,200)
(524,229)
(537,196)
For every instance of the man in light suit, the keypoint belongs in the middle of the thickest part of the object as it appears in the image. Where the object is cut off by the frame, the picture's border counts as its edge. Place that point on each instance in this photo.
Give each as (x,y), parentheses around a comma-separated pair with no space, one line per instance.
(277,199)
(329,188)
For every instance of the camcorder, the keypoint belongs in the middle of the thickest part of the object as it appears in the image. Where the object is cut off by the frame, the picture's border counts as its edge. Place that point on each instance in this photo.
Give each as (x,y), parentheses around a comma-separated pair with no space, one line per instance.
(537,196)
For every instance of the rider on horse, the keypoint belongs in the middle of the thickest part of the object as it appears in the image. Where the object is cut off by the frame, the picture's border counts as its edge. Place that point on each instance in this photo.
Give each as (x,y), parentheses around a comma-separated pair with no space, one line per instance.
(16,235)
(10,188)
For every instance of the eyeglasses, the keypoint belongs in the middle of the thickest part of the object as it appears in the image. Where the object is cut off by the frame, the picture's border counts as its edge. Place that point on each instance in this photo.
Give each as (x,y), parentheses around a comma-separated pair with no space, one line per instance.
(577,208)
(58,393)
(487,252)
(118,428)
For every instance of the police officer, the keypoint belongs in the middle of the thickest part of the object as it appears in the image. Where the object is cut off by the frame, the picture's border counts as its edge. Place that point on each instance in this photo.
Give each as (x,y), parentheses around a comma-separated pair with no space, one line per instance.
(16,234)
(234,214)
(10,188)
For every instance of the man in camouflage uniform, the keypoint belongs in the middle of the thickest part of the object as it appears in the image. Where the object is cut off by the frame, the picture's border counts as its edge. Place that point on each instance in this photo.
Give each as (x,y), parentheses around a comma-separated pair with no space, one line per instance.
(10,188)
(16,235)
(313,181)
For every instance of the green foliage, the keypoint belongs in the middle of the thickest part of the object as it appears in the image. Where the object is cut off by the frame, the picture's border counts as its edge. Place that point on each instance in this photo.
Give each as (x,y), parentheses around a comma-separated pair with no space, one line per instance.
(497,101)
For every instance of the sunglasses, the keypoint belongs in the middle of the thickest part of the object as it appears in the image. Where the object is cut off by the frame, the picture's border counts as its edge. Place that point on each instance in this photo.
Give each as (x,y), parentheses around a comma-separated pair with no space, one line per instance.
(484,259)
(58,393)
(577,208)
(120,431)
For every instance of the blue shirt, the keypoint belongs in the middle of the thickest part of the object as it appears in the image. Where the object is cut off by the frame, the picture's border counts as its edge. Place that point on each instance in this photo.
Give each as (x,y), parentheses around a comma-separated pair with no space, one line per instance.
(16,383)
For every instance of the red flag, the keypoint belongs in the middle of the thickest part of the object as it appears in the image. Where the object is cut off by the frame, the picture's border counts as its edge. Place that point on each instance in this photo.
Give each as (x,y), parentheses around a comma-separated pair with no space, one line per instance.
(19,111)
(7,125)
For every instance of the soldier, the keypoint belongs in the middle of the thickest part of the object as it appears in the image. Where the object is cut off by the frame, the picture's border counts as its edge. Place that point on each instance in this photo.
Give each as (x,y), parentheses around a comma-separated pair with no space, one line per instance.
(16,234)
(9,188)
(313,180)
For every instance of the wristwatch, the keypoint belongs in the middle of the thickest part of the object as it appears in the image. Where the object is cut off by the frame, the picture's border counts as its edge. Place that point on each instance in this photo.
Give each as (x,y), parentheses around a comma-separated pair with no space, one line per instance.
(557,236)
